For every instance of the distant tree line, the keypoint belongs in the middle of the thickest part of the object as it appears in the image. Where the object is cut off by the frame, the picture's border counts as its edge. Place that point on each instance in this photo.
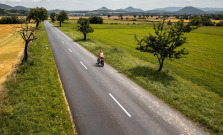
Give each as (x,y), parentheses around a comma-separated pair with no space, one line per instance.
(13,12)
(11,20)
(202,20)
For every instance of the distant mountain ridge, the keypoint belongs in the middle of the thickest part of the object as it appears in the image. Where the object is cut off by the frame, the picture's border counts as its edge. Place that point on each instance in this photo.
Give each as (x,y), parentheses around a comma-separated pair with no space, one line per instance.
(104,8)
(4,6)
(190,10)
(169,9)
(130,9)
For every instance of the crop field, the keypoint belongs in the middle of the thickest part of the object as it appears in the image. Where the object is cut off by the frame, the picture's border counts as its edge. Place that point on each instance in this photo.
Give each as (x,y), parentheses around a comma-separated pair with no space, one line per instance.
(10,46)
(192,85)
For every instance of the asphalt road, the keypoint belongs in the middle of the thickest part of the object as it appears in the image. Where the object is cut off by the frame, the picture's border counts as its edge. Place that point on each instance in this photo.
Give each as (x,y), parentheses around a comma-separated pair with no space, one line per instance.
(104,102)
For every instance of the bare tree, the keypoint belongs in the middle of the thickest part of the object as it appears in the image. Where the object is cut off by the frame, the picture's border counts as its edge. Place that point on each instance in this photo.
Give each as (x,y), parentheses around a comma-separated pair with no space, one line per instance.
(27,32)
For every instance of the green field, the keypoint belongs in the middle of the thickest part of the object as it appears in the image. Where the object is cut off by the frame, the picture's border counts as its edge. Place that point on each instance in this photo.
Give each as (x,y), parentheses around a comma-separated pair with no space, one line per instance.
(192,85)
(33,101)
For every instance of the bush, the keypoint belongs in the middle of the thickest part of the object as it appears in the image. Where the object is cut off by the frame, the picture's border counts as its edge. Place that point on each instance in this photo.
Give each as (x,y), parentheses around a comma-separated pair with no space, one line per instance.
(206,21)
(96,20)
(220,23)
(169,23)
(11,20)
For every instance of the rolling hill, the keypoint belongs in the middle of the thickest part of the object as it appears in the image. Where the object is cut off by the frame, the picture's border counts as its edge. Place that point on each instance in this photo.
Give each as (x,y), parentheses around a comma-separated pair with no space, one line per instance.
(4,6)
(190,10)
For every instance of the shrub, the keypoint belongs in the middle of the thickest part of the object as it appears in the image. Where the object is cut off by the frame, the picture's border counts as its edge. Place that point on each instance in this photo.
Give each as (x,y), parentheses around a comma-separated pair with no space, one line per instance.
(169,23)
(220,23)
(96,20)
(206,21)
(11,20)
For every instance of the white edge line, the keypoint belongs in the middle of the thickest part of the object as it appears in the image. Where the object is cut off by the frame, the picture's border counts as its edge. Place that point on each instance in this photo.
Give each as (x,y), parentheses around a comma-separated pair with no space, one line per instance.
(69,49)
(83,65)
(120,105)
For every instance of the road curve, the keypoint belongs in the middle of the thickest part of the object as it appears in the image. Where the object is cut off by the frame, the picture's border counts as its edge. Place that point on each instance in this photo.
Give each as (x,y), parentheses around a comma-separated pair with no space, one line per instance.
(104,102)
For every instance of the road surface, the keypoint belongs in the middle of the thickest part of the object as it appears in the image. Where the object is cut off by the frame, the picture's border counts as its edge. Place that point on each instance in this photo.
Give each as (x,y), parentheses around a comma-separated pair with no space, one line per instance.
(104,102)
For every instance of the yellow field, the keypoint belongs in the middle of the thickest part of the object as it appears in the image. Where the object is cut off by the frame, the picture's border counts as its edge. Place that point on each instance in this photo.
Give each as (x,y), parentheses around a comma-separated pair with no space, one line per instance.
(115,19)
(10,47)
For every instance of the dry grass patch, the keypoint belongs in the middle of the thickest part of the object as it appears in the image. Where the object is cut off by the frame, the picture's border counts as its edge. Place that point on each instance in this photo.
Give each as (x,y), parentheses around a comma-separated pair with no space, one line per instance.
(10,46)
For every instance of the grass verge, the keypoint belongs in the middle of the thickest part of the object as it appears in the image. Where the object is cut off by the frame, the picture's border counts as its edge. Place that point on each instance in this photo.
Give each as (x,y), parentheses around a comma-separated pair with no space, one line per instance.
(183,84)
(33,101)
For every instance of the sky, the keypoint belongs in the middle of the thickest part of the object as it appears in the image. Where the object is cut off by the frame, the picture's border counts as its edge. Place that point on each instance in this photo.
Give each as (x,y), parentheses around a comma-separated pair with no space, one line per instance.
(112,4)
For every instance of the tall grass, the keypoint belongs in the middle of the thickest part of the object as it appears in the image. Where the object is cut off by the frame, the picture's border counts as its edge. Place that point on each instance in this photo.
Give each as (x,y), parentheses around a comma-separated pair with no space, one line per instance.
(33,102)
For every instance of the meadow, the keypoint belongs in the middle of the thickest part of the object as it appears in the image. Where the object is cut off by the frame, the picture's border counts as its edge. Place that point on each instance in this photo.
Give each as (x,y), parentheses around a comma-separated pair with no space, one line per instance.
(191,85)
(32,101)
(10,46)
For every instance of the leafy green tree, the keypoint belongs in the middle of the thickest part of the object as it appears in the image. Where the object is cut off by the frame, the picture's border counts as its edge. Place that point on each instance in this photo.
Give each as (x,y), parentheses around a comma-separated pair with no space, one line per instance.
(134,16)
(220,23)
(109,15)
(84,27)
(120,16)
(206,21)
(169,23)
(38,14)
(62,17)
(53,17)
(165,43)
(96,20)
(196,21)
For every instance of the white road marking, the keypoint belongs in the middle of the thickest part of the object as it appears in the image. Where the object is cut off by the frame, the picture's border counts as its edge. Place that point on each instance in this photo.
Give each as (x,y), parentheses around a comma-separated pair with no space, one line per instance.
(63,42)
(83,65)
(69,49)
(120,105)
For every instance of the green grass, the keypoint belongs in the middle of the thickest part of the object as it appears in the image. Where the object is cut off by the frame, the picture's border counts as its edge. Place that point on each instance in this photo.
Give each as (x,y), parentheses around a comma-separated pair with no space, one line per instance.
(191,85)
(33,102)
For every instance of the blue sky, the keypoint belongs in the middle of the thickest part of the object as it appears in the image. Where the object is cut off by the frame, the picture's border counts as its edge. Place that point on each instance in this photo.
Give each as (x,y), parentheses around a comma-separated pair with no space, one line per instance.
(112,4)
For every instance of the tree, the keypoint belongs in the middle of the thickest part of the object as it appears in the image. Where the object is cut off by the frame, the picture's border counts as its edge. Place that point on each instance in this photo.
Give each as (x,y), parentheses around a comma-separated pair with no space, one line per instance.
(134,16)
(28,34)
(219,23)
(165,43)
(84,27)
(96,20)
(53,17)
(109,15)
(120,16)
(206,21)
(62,17)
(37,14)
(169,23)
(195,21)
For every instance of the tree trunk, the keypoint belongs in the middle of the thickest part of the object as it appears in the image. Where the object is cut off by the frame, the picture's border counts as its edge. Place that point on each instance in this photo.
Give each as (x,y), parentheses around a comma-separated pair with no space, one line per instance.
(161,64)
(85,35)
(25,57)
(60,24)
(37,24)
